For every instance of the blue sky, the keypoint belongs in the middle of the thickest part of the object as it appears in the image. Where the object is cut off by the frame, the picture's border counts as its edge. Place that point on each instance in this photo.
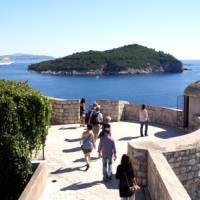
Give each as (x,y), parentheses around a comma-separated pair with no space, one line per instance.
(63,27)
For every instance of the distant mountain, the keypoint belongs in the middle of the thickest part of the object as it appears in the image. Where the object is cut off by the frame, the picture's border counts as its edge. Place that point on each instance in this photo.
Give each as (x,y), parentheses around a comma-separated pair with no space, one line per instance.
(128,59)
(20,57)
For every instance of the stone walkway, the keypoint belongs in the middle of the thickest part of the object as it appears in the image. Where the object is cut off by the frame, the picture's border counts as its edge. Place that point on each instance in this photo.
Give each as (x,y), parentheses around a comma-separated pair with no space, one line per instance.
(67,178)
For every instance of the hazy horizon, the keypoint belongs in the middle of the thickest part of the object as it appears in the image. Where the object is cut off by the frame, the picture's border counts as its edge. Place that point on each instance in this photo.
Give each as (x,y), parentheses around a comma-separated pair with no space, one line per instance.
(34,54)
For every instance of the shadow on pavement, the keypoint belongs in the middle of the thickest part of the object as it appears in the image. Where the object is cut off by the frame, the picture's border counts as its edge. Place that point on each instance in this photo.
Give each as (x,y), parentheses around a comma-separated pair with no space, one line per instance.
(79,185)
(83,159)
(168,134)
(128,138)
(72,140)
(72,150)
(68,128)
(113,184)
(70,169)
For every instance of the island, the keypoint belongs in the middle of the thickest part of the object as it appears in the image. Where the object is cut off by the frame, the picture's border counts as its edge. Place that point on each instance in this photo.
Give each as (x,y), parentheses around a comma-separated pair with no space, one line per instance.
(129,59)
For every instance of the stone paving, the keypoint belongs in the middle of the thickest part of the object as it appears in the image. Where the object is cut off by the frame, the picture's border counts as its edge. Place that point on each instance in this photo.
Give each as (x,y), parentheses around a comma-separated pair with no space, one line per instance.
(67,178)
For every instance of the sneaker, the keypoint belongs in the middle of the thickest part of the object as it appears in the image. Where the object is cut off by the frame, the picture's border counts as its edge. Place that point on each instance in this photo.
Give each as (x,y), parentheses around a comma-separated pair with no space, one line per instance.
(87,167)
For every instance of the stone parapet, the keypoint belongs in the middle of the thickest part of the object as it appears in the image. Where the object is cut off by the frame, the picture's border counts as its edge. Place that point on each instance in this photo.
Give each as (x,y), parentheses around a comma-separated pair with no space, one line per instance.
(65,111)
(139,163)
(113,108)
(186,165)
(152,170)
(162,181)
(35,186)
(159,115)
(68,111)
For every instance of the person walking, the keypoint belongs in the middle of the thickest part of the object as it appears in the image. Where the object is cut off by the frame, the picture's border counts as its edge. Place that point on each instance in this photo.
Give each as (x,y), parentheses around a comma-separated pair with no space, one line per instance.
(82,112)
(106,150)
(105,125)
(91,112)
(125,175)
(144,120)
(96,121)
(88,143)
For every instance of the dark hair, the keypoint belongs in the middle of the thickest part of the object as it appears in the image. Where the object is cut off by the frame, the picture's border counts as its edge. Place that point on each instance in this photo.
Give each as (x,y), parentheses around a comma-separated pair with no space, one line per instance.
(125,162)
(107,130)
(83,100)
(143,106)
(89,127)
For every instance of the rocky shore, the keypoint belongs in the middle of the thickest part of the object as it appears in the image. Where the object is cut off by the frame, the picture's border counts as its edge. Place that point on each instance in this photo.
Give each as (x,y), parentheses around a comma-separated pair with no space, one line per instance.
(99,73)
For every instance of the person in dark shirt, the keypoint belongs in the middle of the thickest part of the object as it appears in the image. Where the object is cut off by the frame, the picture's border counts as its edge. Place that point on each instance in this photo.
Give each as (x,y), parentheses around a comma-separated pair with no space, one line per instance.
(82,112)
(125,174)
(105,126)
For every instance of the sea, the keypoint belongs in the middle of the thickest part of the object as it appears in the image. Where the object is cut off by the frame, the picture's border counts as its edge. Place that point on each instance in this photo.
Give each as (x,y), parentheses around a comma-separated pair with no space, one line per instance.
(160,89)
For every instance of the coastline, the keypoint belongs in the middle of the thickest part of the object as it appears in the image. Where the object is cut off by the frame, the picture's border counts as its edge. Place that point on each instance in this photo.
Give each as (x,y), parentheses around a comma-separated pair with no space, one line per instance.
(101,73)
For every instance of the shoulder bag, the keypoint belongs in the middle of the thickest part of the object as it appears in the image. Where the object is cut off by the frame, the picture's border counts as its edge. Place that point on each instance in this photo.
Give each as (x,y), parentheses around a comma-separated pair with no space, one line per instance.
(134,188)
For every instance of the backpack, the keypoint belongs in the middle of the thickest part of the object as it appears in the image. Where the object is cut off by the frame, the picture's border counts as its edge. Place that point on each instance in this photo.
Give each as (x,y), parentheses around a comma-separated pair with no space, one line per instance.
(94,118)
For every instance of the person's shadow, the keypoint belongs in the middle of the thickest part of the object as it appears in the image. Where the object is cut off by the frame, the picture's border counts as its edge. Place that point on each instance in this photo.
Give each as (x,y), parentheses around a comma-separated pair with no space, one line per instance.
(83,159)
(75,149)
(80,185)
(67,170)
(113,184)
(72,140)
(128,138)
(68,128)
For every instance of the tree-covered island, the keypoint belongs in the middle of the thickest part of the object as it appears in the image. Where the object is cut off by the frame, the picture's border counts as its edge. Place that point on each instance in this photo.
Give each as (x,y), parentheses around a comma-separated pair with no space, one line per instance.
(130,59)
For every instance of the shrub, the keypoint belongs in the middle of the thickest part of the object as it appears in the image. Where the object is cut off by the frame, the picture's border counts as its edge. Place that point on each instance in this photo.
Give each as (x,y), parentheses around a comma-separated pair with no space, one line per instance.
(15,167)
(24,121)
(24,111)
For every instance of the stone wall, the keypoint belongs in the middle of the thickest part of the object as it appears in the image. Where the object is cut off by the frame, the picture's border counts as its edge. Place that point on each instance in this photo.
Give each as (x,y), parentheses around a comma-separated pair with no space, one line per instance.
(162,181)
(36,184)
(186,165)
(165,116)
(139,163)
(113,108)
(65,111)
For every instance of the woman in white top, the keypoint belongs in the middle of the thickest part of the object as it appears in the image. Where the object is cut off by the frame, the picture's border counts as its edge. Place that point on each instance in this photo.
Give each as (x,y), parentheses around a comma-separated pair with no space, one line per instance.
(144,118)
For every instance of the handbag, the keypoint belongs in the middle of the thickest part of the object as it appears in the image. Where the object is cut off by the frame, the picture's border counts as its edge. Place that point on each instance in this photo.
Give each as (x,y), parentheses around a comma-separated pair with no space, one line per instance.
(134,188)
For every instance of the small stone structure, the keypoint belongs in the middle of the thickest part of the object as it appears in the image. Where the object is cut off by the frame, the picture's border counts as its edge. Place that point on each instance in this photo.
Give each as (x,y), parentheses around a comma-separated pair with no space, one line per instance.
(65,111)
(113,108)
(153,171)
(192,106)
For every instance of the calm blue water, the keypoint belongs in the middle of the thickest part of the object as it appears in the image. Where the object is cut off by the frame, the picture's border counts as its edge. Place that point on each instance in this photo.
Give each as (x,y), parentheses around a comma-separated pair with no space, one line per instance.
(152,89)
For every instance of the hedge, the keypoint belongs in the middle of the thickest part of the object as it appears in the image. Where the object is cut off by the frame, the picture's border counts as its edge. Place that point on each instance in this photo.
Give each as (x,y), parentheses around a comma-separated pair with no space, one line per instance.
(24,120)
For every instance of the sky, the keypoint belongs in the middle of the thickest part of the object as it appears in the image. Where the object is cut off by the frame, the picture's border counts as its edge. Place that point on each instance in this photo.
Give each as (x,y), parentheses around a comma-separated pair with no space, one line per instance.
(62,27)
